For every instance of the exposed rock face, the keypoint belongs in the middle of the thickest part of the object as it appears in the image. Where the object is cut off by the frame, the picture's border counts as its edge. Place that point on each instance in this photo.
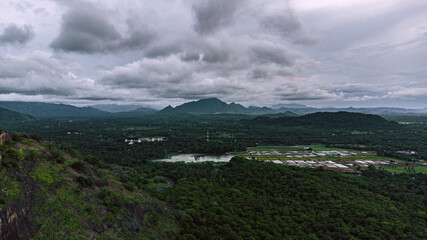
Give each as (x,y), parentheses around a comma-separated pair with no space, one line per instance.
(14,224)
(4,137)
(16,221)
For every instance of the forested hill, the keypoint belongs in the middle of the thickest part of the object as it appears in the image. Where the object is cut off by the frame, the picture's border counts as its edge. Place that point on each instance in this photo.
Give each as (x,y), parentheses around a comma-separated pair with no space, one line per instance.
(7,115)
(48,193)
(50,110)
(338,120)
(213,106)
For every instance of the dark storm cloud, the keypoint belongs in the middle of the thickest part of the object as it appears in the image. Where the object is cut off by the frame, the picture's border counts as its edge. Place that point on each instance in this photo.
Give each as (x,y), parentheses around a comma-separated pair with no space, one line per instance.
(287,25)
(87,29)
(211,15)
(14,34)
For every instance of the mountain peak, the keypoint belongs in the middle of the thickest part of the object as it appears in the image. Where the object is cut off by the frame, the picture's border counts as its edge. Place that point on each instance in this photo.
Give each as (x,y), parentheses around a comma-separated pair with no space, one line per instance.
(213,106)
(210,100)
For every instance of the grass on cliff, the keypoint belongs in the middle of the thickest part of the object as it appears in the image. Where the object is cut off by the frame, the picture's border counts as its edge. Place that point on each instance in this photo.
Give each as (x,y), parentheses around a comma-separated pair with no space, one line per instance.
(78,198)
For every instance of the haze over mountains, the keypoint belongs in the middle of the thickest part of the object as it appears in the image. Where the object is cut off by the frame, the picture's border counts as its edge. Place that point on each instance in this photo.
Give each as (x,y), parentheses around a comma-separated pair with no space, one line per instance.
(23,110)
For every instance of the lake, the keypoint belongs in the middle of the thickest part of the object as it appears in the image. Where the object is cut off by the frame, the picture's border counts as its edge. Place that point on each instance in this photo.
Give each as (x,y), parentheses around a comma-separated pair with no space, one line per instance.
(191,158)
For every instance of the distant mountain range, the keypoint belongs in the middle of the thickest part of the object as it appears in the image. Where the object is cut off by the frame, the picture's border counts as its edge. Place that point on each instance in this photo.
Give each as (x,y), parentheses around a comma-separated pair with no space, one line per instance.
(214,106)
(335,120)
(375,110)
(50,110)
(290,105)
(7,115)
(202,106)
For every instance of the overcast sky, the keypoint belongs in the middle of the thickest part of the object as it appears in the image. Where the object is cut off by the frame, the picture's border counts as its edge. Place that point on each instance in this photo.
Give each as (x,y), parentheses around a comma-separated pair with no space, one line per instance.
(255,52)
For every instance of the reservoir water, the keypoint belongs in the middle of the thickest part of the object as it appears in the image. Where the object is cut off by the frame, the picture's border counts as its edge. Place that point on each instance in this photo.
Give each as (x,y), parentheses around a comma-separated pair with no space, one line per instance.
(191,158)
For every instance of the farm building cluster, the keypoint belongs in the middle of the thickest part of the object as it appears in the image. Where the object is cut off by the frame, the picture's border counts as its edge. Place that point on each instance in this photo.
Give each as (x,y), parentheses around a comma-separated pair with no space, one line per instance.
(304,154)
(331,164)
(338,160)
(148,139)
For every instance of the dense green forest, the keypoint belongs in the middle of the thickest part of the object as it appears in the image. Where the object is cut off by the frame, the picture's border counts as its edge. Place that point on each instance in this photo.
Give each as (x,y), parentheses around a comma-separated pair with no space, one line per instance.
(256,200)
(57,196)
(105,137)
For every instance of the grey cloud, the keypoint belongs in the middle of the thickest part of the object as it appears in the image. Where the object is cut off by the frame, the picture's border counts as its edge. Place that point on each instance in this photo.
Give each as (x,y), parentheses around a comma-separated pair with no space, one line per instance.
(190,56)
(139,35)
(38,73)
(21,6)
(87,29)
(170,78)
(258,74)
(204,67)
(211,15)
(267,52)
(208,51)
(192,49)
(287,25)
(162,50)
(40,11)
(412,92)
(197,92)
(358,89)
(13,34)
(96,98)
(148,74)
(306,94)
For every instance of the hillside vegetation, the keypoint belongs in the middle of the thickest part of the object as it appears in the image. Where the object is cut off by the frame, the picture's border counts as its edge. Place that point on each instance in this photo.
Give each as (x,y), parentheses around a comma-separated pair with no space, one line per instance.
(47,193)
(7,115)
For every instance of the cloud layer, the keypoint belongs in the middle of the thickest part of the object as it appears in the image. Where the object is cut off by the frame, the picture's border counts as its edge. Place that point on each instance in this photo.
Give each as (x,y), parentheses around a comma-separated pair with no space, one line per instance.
(250,51)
